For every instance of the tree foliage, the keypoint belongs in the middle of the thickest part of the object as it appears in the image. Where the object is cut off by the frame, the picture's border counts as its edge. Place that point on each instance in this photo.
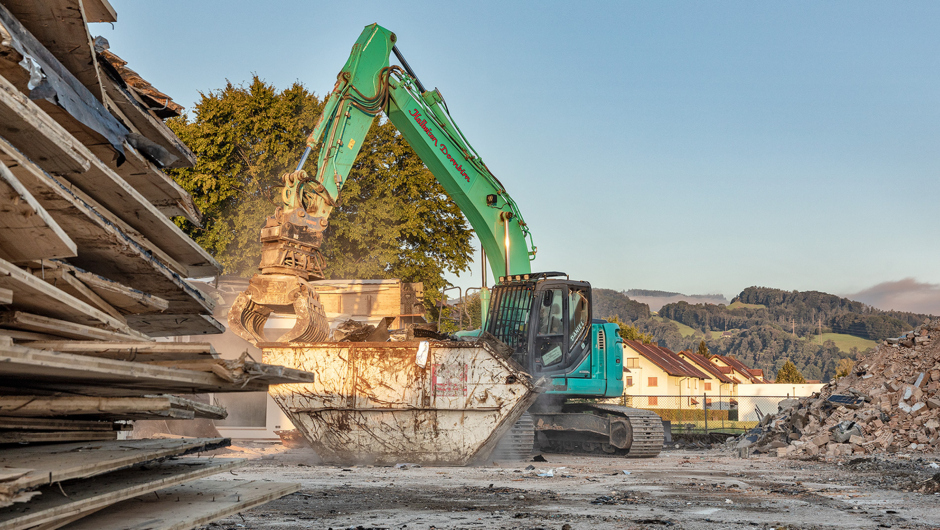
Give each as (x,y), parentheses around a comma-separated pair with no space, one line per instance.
(789,374)
(844,367)
(609,303)
(703,350)
(244,138)
(394,219)
(628,332)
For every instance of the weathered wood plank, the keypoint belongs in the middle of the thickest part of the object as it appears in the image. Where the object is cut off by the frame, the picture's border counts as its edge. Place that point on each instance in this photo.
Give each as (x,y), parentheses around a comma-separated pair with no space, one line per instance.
(99,11)
(126,299)
(29,369)
(8,423)
(61,28)
(239,370)
(27,230)
(42,138)
(61,462)
(105,248)
(21,119)
(87,496)
(141,118)
(47,437)
(65,280)
(25,336)
(186,506)
(145,407)
(63,32)
(34,295)
(131,351)
(6,296)
(175,325)
(162,191)
(59,86)
(59,328)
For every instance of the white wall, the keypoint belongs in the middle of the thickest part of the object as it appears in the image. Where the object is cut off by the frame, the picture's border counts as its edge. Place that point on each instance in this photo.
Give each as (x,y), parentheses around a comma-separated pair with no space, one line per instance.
(763,396)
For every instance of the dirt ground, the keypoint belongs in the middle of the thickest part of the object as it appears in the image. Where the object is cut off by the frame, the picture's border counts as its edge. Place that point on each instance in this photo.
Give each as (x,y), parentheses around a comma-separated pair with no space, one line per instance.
(695,489)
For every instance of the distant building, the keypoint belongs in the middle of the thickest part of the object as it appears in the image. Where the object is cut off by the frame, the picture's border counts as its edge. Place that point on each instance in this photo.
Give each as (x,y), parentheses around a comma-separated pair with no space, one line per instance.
(735,369)
(719,389)
(657,371)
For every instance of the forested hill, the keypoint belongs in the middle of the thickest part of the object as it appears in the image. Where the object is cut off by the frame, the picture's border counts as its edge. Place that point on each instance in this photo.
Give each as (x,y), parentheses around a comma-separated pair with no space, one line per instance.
(800,313)
(764,327)
(608,303)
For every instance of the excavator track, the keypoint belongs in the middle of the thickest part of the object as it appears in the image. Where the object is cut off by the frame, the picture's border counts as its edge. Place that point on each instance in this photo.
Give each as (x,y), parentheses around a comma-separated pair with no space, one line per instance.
(517,444)
(646,434)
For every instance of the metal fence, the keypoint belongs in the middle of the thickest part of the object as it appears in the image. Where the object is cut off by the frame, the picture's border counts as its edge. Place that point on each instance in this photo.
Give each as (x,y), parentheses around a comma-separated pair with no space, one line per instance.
(702,414)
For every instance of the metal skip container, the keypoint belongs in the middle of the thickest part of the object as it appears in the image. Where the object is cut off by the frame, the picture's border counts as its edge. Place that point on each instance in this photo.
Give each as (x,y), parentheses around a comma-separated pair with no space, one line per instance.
(430,403)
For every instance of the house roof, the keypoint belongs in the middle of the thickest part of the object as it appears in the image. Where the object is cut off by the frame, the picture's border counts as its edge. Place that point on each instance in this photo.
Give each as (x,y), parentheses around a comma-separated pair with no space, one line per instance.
(701,362)
(664,358)
(739,367)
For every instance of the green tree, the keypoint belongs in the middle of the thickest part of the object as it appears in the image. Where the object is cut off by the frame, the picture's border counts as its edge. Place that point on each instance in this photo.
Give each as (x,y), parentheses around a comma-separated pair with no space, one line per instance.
(628,332)
(789,374)
(844,367)
(394,219)
(703,350)
(245,137)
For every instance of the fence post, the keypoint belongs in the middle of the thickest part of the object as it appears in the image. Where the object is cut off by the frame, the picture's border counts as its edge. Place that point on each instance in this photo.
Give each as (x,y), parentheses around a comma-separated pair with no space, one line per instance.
(705,408)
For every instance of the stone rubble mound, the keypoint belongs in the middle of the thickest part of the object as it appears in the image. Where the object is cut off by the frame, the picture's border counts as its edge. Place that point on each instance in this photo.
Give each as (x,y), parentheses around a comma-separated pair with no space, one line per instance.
(888,404)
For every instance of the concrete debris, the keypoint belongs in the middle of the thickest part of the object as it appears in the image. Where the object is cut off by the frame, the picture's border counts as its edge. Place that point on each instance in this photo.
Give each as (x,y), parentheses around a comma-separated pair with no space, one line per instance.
(353,331)
(889,404)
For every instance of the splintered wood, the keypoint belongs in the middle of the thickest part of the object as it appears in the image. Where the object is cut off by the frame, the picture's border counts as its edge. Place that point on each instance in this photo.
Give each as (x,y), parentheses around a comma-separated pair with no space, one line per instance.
(93,269)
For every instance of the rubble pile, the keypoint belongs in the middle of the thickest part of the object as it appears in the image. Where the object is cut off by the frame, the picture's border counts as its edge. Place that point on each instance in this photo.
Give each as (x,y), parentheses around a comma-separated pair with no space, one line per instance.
(888,404)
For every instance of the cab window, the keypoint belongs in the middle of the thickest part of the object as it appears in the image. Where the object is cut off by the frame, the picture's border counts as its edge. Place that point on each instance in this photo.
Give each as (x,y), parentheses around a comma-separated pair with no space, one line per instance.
(577,318)
(550,338)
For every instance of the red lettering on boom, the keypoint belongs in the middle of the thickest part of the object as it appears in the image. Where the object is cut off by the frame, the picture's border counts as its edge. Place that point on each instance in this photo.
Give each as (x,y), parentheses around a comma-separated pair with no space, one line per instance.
(424,125)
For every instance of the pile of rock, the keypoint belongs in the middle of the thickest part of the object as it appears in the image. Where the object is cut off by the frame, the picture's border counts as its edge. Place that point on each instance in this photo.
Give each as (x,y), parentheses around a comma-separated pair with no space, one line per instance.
(889,403)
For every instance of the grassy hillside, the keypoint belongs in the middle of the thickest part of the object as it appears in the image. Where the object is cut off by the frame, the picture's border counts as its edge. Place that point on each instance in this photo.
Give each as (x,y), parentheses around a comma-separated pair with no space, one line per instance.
(844,342)
(684,330)
(737,304)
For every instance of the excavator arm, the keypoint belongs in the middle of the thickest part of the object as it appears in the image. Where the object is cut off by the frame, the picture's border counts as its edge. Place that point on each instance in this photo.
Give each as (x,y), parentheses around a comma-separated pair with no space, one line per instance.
(367,86)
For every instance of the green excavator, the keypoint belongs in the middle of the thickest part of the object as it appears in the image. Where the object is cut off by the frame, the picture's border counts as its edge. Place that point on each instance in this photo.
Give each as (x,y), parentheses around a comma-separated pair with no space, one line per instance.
(544,318)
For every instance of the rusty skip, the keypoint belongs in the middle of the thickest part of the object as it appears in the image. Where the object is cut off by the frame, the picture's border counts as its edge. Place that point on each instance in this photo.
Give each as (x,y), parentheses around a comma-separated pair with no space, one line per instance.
(374,403)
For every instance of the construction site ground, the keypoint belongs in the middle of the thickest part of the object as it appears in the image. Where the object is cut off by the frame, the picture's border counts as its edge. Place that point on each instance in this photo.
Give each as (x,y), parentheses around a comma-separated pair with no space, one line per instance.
(682,488)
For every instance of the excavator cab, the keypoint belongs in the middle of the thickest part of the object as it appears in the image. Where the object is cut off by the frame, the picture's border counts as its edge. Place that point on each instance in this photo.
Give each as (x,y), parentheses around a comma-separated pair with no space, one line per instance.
(545,319)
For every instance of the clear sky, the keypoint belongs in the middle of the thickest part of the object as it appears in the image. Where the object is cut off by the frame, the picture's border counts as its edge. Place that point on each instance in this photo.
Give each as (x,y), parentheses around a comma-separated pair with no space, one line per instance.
(683,146)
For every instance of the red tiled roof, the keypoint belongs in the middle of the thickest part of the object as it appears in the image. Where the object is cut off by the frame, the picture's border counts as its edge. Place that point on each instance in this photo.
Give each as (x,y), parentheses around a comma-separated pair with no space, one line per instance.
(701,362)
(739,367)
(671,363)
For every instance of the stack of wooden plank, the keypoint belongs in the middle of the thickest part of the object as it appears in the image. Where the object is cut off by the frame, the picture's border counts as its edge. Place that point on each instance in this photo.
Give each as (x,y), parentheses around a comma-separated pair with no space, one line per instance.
(93,272)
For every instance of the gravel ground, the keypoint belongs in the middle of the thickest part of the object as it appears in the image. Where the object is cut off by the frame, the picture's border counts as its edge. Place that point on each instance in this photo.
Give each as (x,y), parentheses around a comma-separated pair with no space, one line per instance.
(695,489)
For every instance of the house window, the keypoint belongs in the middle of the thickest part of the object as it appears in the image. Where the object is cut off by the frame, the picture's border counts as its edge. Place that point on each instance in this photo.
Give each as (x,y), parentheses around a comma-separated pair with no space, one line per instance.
(629,381)
(652,382)
(653,401)
(633,362)
(708,401)
(708,386)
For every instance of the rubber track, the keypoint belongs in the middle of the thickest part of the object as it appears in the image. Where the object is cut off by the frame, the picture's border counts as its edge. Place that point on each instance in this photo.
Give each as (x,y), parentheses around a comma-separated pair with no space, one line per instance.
(648,434)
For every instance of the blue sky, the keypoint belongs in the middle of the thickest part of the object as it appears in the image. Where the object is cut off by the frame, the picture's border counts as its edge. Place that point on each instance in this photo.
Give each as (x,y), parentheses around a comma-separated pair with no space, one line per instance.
(682,146)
